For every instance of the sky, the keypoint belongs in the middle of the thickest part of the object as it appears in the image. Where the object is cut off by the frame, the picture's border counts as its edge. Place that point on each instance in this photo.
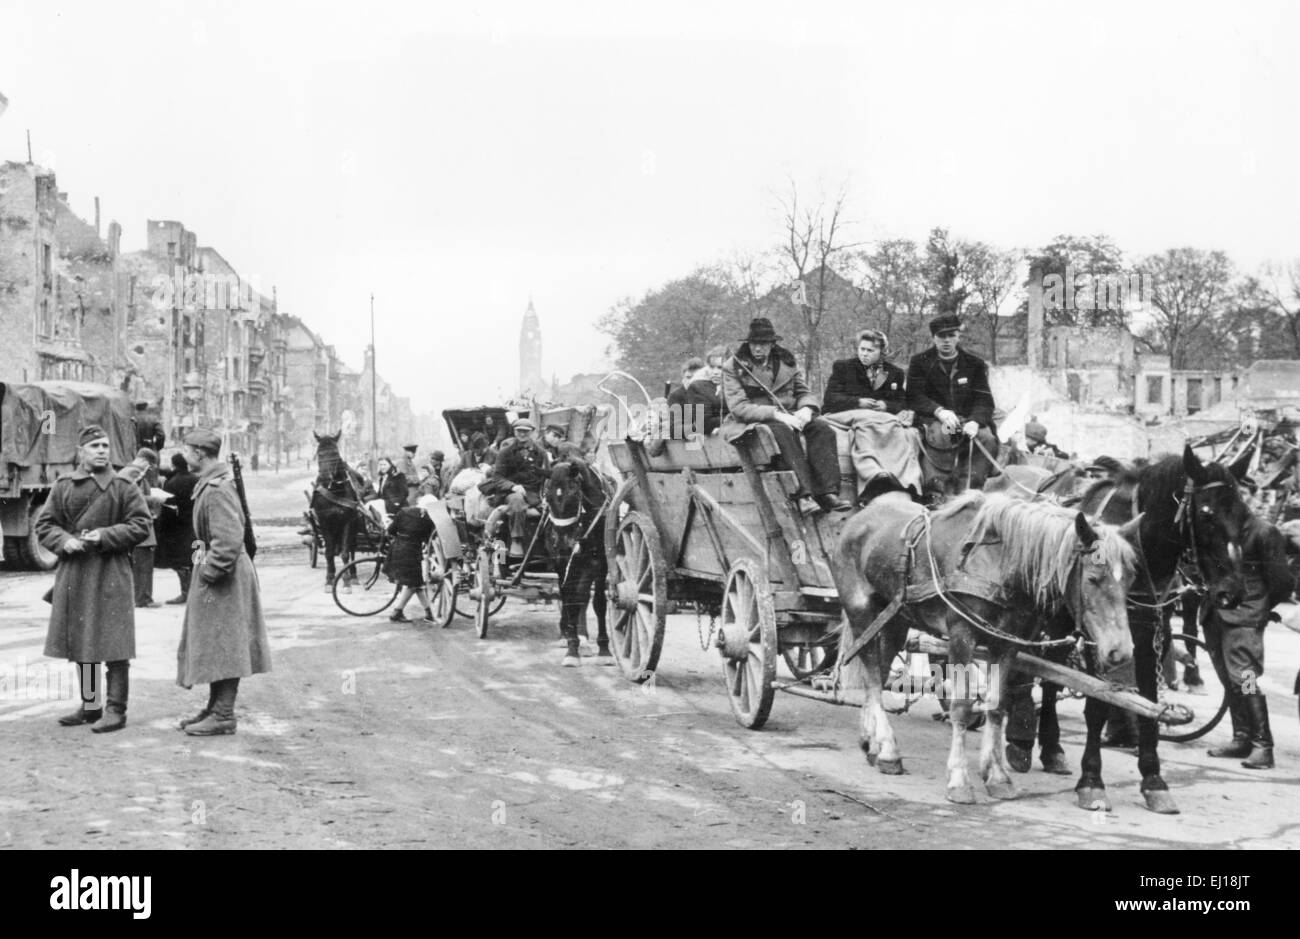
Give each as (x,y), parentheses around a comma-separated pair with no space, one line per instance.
(457,161)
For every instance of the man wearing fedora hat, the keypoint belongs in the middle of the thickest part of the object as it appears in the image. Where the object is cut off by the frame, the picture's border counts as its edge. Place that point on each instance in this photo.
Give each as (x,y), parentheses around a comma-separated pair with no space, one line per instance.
(93,519)
(948,388)
(763,384)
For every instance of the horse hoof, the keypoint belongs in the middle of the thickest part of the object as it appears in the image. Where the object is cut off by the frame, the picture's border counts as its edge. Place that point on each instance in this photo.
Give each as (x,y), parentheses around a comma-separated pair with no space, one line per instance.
(961,795)
(1001,790)
(329,588)
(868,751)
(891,767)
(571,661)
(1160,802)
(1018,758)
(1055,764)
(1093,800)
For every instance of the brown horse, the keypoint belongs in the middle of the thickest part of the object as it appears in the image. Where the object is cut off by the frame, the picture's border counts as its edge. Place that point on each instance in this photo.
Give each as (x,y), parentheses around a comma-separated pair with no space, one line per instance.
(981,569)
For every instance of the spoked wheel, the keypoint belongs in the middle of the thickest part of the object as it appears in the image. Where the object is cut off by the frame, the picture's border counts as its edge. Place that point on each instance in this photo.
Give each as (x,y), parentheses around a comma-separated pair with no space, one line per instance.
(638,597)
(441,579)
(486,593)
(1197,711)
(805,659)
(747,641)
(466,583)
(370,591)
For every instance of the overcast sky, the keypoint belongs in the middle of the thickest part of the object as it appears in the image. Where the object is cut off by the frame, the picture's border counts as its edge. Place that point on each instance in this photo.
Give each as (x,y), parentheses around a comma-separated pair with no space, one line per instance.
(455,159)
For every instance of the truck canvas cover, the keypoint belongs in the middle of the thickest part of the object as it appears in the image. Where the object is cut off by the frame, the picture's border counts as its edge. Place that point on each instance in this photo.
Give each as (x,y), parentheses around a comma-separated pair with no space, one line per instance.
(39,422)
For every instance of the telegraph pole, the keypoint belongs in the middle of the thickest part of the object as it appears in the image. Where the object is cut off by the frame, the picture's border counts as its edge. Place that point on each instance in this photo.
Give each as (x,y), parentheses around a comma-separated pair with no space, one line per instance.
(374,395)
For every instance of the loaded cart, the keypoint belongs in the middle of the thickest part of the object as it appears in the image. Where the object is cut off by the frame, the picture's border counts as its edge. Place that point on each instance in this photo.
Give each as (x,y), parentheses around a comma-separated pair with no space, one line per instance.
(707,526)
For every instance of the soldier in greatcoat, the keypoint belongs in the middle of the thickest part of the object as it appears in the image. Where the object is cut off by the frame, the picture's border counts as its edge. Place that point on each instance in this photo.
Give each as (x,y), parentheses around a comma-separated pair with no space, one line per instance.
(223,638)
(92,520)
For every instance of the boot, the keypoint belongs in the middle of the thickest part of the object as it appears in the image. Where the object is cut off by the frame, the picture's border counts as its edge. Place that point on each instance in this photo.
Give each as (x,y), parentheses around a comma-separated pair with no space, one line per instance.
(88,677)
(830,502)
(1261,737)
(222,718)
(1240,746)
(212,700)
(119,686)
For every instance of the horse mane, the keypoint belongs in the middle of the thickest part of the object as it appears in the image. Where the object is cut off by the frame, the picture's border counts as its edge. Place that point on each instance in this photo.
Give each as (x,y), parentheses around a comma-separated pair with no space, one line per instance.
(1040,544)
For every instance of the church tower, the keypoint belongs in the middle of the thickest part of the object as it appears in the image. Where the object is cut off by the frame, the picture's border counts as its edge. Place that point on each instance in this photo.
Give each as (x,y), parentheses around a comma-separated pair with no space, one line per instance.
(530,355)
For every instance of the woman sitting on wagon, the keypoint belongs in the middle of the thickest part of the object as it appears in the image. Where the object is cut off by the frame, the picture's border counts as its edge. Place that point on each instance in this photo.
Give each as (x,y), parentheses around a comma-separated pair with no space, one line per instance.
(869,394)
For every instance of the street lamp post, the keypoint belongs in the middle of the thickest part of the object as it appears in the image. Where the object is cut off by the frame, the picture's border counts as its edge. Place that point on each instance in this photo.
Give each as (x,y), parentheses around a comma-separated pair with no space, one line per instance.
(374,395)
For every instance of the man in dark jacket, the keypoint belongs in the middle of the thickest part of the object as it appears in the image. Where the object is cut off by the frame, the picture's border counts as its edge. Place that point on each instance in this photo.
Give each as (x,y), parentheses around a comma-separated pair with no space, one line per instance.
(948,388)
(92,519)
(696,407)
(1236,641)
(518,478)
(763,384)
(176,526)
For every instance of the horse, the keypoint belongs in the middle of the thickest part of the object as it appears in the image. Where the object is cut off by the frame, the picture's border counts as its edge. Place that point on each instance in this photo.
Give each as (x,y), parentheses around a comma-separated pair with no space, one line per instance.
(1038,484)
(336,502)
(577,497)
(1182,506)
(986,568)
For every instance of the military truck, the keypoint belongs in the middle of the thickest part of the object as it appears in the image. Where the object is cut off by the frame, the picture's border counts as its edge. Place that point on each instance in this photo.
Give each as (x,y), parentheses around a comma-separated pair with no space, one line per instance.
(39,424)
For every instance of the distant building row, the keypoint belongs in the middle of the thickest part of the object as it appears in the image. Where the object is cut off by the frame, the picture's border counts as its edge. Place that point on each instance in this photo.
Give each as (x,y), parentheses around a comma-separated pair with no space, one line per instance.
(175,326)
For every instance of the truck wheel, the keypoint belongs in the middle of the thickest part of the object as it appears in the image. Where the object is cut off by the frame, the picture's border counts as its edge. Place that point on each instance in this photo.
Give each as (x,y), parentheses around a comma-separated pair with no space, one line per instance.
(32,554)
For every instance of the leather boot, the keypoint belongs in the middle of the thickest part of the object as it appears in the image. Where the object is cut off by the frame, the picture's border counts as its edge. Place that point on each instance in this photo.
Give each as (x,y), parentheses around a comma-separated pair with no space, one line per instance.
(212,699)
(1261,737)
(119,687)
(1240,746)
(88,677)
(221,720)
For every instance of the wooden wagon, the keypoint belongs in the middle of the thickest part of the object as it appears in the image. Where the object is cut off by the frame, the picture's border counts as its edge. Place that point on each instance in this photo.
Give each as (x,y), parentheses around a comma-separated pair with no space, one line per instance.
(706,526)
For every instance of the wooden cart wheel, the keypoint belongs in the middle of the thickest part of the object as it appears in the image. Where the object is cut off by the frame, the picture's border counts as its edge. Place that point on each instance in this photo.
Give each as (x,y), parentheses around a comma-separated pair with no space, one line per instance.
(638,597)
(748,643)
(441,578)
(805,659)
(486,593)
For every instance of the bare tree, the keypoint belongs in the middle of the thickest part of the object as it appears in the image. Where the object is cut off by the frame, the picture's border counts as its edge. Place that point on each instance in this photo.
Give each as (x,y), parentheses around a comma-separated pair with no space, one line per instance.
(1188,289)
(812,245)
(1281,283)
(991,275)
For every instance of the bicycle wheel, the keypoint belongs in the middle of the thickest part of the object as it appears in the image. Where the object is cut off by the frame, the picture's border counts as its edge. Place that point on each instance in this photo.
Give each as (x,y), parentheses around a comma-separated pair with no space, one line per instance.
(362,589)
(1199,710)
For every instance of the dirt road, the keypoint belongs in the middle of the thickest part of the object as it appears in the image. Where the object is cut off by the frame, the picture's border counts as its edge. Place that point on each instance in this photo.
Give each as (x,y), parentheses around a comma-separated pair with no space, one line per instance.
(374,734)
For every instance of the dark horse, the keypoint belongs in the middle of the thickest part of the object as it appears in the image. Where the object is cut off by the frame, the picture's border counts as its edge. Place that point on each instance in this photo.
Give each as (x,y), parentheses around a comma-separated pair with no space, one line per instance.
(1185,509)
(336,502)
(577,497)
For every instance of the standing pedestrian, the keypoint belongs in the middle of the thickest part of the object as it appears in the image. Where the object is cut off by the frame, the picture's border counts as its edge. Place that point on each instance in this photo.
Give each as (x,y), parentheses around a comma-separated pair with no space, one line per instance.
(176,526)
(406,466)
(223,638)
(143,472)
(1236,641)
(411,529)
(92,520)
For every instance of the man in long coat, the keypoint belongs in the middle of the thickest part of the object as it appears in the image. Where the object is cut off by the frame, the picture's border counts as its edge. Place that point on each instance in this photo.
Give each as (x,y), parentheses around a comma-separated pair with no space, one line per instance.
(176,526)
(223,638)
(763,384)
(92,520)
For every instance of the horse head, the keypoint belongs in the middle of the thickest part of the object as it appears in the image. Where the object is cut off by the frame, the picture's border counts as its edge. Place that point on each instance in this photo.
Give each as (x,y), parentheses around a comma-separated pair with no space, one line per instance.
(1211,518)
(1102,570)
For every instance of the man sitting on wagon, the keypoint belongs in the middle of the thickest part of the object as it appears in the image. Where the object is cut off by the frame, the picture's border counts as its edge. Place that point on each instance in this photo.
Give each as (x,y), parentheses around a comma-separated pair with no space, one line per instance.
(763,384)
(518,479)
(948,388)
(869,394)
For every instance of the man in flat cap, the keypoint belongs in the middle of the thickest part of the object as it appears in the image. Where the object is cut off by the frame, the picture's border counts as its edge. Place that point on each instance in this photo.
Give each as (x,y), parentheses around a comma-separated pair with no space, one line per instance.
(948,389)
(223,638)
(92,521)
(763,384)
(518,479)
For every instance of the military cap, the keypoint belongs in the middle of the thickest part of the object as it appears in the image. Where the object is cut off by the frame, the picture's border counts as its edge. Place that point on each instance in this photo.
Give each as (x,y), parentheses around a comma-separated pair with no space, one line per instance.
(437,456)
(947,323)
(203,440)
(91,433)
(411,447)
(1036,431)
(145,453)
(523,424)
